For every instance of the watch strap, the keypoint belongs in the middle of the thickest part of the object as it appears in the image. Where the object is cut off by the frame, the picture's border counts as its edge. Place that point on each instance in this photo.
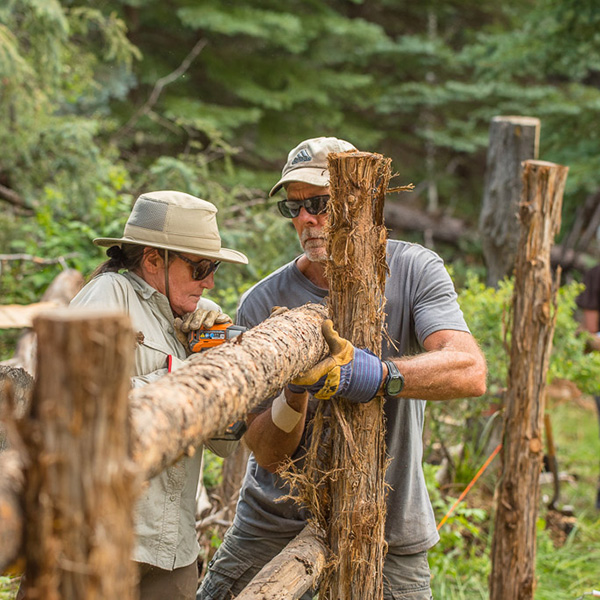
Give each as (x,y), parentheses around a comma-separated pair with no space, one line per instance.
(393,373)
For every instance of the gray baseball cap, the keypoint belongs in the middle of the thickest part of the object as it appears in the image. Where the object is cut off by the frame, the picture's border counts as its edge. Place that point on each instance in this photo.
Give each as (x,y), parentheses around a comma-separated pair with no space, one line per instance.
(175,221)
(307,162)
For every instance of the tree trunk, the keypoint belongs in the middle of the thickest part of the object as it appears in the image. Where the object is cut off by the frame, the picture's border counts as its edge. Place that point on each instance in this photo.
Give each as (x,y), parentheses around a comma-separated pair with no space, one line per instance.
(80,486)
(534,316)
(292,572)
(512,140)
(351,508)
(11,492)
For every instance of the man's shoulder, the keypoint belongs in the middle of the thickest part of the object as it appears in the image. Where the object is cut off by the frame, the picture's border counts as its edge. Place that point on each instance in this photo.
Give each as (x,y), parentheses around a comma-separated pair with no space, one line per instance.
(401,252)
(255,303)
(273,280)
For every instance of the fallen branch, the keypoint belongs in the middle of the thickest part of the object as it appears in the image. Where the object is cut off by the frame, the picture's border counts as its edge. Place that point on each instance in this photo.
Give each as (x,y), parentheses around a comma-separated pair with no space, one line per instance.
(38,260)
(13,198)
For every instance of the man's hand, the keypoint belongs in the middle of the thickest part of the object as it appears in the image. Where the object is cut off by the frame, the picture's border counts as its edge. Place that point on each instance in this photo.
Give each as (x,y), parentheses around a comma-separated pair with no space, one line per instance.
(348,372)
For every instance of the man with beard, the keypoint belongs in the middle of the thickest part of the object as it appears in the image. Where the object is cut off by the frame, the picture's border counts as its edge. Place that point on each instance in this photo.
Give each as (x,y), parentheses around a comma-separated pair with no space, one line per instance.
(433,357)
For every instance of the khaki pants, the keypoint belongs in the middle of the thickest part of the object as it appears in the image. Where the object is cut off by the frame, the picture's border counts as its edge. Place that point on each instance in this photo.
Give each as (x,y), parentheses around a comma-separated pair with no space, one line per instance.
(158,584)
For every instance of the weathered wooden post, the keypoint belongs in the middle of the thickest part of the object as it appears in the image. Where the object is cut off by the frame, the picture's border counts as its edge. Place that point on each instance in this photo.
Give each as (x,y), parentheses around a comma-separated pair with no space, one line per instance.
(80,488)
(534,315)
(351,505)
(512,140)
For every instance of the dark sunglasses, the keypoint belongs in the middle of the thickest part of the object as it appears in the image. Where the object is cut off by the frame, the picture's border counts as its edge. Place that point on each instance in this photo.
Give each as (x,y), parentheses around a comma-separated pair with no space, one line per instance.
(201,268)
(316,205)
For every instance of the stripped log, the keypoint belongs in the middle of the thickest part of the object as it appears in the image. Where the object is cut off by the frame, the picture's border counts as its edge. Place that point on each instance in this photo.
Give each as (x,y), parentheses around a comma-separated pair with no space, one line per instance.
(534,317)
(81,487)
(292,572)
(220,385)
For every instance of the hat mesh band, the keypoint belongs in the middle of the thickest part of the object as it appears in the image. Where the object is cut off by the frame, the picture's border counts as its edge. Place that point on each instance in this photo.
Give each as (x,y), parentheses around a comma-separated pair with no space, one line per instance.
(149,214)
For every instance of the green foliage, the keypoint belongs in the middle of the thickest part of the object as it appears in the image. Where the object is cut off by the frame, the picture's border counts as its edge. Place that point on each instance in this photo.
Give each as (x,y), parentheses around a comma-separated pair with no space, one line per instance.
(213,465)
(460,562)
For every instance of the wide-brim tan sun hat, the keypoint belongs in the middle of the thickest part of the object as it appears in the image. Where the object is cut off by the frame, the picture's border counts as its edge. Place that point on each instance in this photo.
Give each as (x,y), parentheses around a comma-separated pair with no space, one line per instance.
(175,221)
(307,162)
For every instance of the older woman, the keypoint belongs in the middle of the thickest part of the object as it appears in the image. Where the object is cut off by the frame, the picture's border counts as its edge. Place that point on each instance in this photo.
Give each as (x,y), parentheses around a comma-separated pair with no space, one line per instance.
(157,273)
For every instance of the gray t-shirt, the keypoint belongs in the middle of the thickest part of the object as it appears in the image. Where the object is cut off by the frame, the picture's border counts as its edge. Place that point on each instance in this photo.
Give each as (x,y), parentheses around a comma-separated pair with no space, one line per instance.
(420,299)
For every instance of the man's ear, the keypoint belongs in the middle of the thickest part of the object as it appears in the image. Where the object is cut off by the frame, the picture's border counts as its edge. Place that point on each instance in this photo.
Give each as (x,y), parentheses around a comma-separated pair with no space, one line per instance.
(152,260)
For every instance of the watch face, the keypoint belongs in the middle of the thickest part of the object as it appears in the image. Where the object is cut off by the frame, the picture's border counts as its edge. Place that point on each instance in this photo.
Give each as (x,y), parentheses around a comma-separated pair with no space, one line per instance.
(394,386)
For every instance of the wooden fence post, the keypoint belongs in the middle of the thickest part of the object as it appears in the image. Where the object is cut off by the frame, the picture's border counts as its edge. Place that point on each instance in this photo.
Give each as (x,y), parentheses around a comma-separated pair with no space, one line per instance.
(80,489)
(534,316)
(512,140)
(352,505)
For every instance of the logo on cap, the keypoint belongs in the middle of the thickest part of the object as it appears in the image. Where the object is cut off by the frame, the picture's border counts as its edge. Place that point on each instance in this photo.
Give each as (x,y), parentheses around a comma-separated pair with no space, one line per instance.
(302,156)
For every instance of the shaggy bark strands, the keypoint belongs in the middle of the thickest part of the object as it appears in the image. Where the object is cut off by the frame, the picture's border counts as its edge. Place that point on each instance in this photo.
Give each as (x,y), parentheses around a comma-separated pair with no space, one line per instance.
(351,501)
(80,486)
(196,402)
(534,316)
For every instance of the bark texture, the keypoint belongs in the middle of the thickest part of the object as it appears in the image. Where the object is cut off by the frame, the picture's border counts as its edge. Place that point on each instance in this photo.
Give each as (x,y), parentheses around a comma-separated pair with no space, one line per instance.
(512,140)
(220,385)
(80,488)
(534,315)
(292,572)
(347,454)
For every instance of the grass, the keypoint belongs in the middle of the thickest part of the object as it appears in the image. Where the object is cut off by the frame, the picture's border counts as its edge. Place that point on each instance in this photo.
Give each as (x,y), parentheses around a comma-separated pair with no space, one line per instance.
(460,561)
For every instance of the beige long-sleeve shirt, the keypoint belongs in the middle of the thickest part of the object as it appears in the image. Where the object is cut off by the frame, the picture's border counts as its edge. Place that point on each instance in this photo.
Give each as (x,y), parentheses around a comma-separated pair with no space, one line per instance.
(165,516)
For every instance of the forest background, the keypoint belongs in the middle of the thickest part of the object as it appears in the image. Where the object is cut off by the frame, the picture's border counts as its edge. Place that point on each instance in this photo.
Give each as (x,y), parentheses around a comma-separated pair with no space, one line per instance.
(104,99)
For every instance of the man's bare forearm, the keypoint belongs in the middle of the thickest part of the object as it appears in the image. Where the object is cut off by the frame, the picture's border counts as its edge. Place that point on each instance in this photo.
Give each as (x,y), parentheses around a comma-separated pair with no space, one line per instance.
(270,444)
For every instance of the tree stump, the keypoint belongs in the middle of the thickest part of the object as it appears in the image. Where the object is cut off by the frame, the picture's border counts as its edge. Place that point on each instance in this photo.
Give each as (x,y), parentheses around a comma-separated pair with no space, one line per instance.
(348,445)
(512,140)
(534,316)
(80,490)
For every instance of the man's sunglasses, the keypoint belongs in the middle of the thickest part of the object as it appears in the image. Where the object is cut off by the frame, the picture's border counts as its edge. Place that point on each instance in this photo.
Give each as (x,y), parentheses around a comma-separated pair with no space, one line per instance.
(201,268)
(316,205)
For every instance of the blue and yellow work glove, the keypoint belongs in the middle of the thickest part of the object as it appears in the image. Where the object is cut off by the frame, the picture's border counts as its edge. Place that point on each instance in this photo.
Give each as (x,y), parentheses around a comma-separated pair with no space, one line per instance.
(348,372)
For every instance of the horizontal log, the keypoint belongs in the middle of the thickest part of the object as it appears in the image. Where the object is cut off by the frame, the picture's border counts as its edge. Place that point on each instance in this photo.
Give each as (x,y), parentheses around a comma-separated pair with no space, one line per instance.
(292,572)
(196,402)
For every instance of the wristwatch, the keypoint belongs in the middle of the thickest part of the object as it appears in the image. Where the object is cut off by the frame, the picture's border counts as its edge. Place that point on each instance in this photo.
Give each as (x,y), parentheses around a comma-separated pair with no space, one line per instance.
(394,382)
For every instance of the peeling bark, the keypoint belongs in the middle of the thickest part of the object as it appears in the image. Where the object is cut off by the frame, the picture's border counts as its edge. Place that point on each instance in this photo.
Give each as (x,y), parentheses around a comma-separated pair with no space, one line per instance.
(80,488)
(346,461)
(534,316)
